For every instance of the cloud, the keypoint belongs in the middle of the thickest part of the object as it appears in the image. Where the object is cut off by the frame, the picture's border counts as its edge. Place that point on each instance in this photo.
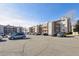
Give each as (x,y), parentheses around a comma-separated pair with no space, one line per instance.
(71,13)
(11,16)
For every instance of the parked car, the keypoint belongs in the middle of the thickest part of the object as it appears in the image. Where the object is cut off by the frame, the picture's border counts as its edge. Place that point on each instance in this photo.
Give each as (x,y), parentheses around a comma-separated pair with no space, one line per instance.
(17,36)
(45,34)
(55,34)
(1,37)
(38,34)
(61,34)
(2,34)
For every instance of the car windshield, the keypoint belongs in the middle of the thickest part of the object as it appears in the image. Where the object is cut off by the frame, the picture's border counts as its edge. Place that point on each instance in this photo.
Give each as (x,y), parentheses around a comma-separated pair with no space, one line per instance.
(20,34)
(13,34)
(17,34)
(61,33)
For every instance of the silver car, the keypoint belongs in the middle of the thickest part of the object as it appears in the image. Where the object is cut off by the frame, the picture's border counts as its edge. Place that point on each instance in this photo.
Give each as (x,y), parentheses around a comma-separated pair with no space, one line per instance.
(17,36)
(61,34)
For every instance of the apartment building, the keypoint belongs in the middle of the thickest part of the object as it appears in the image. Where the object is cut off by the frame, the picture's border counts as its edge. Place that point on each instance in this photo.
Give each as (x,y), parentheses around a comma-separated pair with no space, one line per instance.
(35,29)
(61,25)
(44,28)
(12,29)
(65,24)
(53,27)
(9,29)
(38,29)
(31,30)
(20,29)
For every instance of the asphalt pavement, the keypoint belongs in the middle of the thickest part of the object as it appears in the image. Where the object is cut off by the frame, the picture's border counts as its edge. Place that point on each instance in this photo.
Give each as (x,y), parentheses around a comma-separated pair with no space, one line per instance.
(40,46)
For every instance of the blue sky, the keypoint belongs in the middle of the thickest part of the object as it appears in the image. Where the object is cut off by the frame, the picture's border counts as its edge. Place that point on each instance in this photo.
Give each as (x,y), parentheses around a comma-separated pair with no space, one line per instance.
(31,14)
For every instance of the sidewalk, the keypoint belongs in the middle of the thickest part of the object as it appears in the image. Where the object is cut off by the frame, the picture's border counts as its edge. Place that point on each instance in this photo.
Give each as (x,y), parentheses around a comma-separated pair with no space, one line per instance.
(72,35)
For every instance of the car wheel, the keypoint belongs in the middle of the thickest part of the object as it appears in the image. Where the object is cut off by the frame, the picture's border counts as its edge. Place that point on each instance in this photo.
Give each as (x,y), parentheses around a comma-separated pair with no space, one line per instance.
(24,37)
(12,38)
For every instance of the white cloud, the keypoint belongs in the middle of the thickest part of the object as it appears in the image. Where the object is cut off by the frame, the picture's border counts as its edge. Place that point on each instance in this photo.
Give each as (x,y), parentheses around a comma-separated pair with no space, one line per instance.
(71,13)
(11,16)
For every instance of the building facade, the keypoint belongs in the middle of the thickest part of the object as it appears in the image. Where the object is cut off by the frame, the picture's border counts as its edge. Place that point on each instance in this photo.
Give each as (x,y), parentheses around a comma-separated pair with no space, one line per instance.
(38,29)
(44,28)
(31,30)
(20,29)
(9,29)
(12,29)
(65,24)
(53,27)
(61,25)
(35,29)
(1,30)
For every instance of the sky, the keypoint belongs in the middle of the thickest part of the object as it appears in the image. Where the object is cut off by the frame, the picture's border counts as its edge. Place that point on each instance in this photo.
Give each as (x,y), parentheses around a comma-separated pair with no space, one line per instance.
(29,14)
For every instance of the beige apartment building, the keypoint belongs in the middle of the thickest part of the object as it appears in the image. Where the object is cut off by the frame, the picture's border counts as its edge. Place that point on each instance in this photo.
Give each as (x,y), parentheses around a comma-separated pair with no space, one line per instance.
(30,30)
(35,29)
(44,28)
(38,29)
(53,27)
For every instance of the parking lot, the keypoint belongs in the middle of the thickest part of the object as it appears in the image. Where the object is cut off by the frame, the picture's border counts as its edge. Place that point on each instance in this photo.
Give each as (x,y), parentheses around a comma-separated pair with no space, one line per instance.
(40,46)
